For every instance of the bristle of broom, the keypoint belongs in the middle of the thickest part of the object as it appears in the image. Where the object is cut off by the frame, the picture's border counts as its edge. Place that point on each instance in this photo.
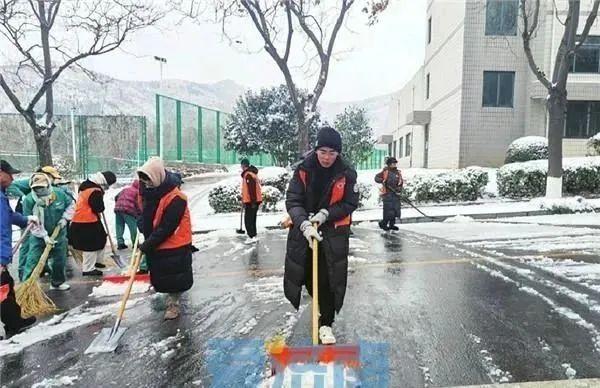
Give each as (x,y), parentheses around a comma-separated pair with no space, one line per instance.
(77,255)
(33,300)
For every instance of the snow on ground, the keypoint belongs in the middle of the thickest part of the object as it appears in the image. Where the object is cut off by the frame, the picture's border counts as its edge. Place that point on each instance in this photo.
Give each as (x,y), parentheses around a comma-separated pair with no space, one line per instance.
(113,289)
(494,372)
(266,290)
(59,324)
(56,382)
(569,241)
(572,204)
(459,219)
(583,219)
(166,348)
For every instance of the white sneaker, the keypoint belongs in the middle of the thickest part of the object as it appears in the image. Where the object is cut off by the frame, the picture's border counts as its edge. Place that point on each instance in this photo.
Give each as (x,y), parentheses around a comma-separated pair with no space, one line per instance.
(251,240)
(62,287)
(326,335)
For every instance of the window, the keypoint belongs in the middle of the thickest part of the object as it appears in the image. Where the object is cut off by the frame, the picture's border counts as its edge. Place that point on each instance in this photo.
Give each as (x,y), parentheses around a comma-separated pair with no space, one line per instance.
(400,147)
(501,17)
(408,145)
(583,119)
(587,59)
(393,153)
(427,83)
(429,30)
(498,88)
(390,148)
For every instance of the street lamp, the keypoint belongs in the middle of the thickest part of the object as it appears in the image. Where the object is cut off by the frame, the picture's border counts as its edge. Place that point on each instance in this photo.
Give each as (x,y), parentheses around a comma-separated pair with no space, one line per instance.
(161,139)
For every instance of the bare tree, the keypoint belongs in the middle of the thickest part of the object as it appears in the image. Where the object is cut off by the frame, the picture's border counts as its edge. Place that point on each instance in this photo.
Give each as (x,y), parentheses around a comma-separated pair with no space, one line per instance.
(556,85)
(277,22)
(46,32)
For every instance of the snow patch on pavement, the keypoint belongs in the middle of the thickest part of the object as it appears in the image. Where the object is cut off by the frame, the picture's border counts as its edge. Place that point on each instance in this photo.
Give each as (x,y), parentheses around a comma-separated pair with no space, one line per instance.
(267,289)
(166,347)
(62,323)
(494,372)
(112,289)
(459,219)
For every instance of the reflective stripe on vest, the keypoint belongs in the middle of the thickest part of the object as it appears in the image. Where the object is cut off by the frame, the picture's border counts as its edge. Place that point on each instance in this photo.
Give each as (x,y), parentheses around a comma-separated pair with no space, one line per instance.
(83,211)
(337,195)
(183,234)
(246,191)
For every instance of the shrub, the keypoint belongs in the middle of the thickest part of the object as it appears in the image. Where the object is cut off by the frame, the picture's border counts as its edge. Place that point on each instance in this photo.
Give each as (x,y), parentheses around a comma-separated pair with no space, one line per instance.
(593,144)
(565,205)
(460,185)
(275,176)
(527,148)
(225,198)
(364,193)
(271,197)
(528,179)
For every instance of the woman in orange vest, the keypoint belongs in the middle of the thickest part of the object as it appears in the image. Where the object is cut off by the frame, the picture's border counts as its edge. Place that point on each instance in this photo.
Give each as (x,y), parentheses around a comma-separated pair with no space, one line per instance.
(166,225)
(251,198)
(322,192)
(86,232)
(391,180)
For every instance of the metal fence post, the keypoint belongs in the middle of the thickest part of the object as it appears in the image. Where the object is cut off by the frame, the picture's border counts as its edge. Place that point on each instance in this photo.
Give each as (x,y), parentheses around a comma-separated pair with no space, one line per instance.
(200,158)
(219,137)
(158,150)
(178,129)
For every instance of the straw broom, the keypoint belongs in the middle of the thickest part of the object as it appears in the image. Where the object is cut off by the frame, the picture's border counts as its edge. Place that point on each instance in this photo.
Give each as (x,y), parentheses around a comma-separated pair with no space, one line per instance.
(30,296)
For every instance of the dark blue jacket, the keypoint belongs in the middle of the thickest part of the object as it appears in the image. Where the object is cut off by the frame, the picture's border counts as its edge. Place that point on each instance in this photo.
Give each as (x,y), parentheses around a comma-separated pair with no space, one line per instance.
(8,218)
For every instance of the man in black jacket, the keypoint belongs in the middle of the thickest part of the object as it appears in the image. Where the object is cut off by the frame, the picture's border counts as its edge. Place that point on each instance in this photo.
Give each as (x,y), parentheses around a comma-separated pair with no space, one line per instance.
(392,183)
(322,192)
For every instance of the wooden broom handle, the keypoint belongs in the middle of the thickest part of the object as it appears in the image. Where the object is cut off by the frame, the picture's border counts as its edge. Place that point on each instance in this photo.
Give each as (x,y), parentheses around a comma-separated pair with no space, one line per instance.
(112,244)
(315,291)
(136,263)
(22,238)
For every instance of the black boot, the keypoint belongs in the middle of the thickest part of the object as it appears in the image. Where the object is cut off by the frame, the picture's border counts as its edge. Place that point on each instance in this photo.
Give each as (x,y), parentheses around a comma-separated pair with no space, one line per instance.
(23,325)
(383,225)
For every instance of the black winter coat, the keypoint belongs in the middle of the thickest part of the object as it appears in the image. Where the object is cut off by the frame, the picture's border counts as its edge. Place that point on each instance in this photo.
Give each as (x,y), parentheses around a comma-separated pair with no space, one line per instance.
(170,269)
(392,206)
(335,242)
(89,237)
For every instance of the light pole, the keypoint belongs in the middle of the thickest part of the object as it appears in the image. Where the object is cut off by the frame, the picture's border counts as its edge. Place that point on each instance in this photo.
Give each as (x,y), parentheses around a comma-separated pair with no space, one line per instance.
(161,139)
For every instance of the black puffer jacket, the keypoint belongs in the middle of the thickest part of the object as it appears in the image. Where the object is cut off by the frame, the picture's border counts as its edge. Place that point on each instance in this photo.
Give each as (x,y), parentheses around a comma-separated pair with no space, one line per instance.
(89,237)
(299,203)
(170,269)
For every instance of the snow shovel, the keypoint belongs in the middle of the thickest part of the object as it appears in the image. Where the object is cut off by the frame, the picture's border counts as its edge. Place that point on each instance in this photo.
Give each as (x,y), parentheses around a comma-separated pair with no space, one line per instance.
(241,229)
(282,356)
(115,256)
(108,339)
(122,278)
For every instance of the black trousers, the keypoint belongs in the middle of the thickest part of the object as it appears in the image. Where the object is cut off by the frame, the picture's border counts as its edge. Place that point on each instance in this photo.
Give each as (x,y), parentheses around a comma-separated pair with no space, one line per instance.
(250,212)
(10,311)
(326,295)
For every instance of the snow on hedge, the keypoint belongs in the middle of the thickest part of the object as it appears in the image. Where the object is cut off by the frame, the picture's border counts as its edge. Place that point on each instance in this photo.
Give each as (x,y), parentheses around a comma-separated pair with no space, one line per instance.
(564,205)
(528,179)
(527,148)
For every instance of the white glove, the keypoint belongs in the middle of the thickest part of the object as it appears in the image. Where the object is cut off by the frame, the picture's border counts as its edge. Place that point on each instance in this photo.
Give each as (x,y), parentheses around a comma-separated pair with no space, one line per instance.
(310,233)
(320,217)
(49,240)
(62,223)
(33,220)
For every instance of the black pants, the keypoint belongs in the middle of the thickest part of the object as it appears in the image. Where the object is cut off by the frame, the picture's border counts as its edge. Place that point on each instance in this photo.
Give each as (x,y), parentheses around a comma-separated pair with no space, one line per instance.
(10,312)
(250,218)
(326,295)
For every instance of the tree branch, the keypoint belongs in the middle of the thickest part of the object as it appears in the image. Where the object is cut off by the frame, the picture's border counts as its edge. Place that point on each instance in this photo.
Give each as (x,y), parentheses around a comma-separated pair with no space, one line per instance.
(588,24)
(526,36)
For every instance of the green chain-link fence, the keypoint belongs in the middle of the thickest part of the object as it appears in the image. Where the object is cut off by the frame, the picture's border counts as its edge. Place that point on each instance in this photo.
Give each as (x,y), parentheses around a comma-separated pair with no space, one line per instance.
(116,143)
(194,134)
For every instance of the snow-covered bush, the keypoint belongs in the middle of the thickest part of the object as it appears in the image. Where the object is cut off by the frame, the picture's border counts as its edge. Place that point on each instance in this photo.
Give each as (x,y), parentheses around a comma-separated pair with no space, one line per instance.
(528,179)
(270,196)
(564,205)
(65,166)
(225,198)
(364,193)
(527,148)
(593,144)
(277,177)
(460,185)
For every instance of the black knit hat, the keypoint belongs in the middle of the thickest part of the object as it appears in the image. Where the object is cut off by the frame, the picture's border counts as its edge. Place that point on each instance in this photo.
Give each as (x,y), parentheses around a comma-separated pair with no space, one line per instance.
(245,162)
(390,160)
(329,137)
(110,177)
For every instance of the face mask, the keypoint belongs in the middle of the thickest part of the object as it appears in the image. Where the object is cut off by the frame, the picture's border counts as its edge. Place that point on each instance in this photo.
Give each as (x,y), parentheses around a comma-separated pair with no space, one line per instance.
(42,191)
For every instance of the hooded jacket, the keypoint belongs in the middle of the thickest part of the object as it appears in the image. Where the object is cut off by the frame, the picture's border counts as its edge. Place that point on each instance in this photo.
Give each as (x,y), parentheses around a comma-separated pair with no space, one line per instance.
(8,218)
(127,200)
(89,237)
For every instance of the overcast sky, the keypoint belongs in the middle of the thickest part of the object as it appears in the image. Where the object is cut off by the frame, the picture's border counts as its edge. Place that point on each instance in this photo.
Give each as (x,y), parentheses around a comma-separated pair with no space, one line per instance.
(371,61)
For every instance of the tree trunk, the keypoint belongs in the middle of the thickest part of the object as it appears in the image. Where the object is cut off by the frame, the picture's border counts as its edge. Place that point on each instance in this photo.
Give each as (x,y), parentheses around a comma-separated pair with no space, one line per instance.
(43,146)
(557,106)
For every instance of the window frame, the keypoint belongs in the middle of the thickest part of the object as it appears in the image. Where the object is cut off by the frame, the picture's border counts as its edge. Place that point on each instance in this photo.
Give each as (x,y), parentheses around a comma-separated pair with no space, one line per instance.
(498,74)
(429,21)
(503,4)
(586,45)
(427,85)
(400,147)
(408,148)
(592,107)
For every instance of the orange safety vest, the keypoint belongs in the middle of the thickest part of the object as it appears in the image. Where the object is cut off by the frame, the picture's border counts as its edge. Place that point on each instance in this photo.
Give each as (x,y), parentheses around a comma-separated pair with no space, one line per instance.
(246,190)
(83,211)
(183,234)
(384,190)
(337,195)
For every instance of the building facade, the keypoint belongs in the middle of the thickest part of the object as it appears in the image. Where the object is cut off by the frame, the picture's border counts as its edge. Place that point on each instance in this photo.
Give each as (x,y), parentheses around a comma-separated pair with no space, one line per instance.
(475,92)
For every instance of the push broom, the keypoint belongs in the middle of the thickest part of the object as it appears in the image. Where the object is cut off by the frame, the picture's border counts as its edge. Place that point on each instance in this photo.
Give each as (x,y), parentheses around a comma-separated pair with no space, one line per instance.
(283,355)
(29,294)
(122,278)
